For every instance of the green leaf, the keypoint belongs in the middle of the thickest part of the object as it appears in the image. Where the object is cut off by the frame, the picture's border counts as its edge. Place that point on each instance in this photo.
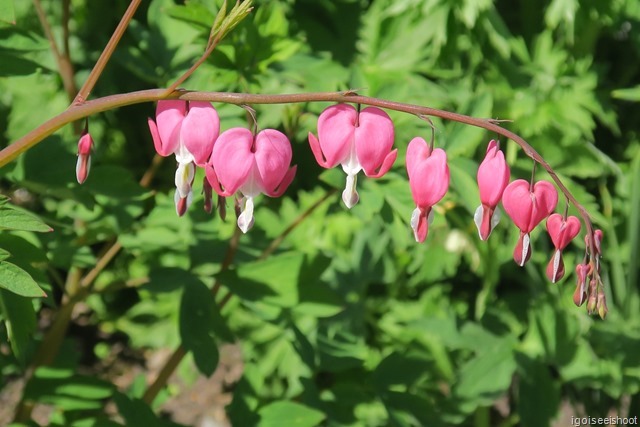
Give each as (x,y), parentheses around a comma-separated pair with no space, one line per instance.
(196,315)
(7,11)
(193,13)
(12,218)
(273,281)
(20,316)
(288,413)
(488,374)
(539,395)
(66,390)
(18,281)
(629,94)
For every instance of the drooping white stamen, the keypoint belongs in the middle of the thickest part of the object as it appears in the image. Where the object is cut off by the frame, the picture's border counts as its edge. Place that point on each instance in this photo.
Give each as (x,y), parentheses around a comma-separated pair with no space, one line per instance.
(415,219)
(245,219)
(350,195)
(184,177)
(526,246)
(477,219)
(556,265)
(495,219)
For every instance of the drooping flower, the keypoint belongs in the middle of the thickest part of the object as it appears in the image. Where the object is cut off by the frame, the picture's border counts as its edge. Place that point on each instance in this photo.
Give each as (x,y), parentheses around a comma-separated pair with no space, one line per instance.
(358,140)
(493,177)
(429,180)
(562,231)
(527,207)
(252,165)
(83,165)
(189,130)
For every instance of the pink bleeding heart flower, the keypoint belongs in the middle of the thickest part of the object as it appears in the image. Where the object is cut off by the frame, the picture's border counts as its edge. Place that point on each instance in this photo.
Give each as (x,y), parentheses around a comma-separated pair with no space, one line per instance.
(83,165)
(358,140)
(493,177)
(189,130)
(527,207)
(429,181)
(252,165)
(562,231)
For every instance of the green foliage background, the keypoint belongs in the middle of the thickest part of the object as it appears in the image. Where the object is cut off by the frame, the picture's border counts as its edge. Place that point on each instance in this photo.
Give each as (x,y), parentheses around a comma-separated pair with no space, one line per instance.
(349,322)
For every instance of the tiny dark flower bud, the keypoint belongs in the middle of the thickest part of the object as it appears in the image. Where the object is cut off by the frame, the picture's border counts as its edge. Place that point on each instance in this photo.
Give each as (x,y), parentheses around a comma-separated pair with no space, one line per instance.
(208,196)
(222,207)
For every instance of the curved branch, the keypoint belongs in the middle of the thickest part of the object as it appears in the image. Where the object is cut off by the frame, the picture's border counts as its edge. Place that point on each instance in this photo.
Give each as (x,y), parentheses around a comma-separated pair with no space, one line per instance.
(76,112)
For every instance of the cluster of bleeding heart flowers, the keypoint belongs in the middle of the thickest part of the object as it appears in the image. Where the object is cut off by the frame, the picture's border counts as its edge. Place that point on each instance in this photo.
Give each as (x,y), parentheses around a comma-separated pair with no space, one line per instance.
(245,164)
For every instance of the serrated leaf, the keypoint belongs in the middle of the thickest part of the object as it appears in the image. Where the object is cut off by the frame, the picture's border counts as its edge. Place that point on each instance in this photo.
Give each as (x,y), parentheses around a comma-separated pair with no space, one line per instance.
(288,413)
(16,219)
(18,281)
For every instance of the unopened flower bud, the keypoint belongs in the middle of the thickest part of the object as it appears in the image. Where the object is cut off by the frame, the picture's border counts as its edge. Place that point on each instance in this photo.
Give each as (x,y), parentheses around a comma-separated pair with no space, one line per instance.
(583,271)
(222,207)
(601,304)
(592,302)
(83,165)
(208,196)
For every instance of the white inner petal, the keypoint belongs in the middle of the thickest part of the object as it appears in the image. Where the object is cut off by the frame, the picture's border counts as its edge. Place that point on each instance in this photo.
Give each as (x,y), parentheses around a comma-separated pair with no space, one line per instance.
(182,154)
(477,219)
(556,265)
(184,177)
(526,245)
(350,195)
(495,219)
(245,219)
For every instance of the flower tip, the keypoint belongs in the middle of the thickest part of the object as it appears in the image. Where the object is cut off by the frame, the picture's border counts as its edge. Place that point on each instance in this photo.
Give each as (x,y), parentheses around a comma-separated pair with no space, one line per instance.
(83,166)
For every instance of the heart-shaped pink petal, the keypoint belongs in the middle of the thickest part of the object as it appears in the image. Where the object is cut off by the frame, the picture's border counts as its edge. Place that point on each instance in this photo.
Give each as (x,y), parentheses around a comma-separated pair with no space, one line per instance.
(231,161)
(562,231)
(417,152)
(526,208)
(336,128)
(166,132)
(429,179)
(374,138)
(200,129)
(545,199)
(493,175)
(273,157)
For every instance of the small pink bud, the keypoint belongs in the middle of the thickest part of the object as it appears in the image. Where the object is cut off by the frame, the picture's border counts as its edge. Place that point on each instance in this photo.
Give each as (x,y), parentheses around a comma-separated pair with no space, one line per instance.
(429,181)
(83,165)
(493,177)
